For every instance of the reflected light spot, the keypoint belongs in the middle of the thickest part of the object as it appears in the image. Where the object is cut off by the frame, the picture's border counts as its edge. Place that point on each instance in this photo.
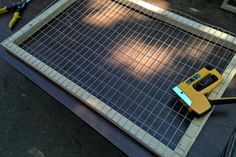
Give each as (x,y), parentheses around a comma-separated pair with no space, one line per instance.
(194,10)
(161,3)
(110,13)
(139,59)
(199,49)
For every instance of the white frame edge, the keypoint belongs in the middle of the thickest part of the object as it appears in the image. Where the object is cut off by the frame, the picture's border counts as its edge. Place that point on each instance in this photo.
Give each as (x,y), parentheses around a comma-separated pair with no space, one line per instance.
(228,7)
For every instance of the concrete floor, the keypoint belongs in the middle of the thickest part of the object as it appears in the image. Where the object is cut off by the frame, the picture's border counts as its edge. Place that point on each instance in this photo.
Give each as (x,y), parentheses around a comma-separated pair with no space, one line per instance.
(33,124)
(200,8)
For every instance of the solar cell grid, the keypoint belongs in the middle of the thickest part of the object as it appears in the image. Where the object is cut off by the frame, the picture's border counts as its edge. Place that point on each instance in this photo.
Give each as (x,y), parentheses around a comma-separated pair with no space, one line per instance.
(128,60)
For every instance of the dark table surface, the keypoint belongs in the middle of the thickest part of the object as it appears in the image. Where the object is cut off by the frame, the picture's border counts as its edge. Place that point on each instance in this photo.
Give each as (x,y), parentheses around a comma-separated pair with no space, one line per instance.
(210,142)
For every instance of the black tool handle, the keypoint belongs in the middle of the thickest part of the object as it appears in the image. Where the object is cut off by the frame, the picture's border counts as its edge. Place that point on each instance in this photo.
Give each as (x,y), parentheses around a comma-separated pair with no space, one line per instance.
(223,101)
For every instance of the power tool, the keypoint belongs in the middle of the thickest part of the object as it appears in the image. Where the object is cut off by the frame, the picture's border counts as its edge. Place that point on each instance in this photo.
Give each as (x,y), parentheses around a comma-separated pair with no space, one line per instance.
(194,91)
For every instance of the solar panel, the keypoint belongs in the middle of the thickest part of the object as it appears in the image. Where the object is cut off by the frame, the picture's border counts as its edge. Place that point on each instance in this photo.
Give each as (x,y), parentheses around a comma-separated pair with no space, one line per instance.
(123,62)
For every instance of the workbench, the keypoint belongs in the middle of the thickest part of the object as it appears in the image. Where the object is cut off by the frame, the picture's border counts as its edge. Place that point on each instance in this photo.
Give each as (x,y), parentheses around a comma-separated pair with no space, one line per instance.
(210,142)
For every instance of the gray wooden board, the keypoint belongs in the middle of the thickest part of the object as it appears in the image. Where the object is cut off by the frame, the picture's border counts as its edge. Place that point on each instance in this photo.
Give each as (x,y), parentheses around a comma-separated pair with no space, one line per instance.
(111,57)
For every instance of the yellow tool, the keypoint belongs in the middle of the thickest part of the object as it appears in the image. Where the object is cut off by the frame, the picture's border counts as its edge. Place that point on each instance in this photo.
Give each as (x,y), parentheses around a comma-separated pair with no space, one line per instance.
(17,8)
(193,92)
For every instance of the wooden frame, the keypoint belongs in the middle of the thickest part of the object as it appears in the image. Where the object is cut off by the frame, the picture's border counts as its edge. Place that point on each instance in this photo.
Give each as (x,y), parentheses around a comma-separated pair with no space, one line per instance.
(13,42)
(226,6)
